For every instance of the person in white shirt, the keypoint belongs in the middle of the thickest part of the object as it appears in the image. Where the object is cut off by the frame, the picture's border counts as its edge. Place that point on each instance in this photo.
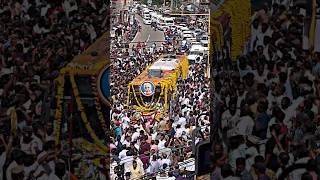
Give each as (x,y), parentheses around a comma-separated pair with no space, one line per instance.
(230,117)
(154,164)
(29,143)
(182,120)
(123,152)
(179,131)
(165,150)
(165,160)
(242,93)
(162,142)
(260,75)
(17,163)
(135,135)
(290,109)
(245,124)
(126,141)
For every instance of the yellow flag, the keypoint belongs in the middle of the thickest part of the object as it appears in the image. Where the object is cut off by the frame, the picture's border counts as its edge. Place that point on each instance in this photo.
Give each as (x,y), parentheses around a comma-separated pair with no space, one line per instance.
(313,24)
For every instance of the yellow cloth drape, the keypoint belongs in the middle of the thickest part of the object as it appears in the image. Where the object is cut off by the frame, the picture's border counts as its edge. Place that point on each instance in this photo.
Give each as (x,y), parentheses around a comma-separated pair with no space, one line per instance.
(240,15)
(313,24)
(14,120)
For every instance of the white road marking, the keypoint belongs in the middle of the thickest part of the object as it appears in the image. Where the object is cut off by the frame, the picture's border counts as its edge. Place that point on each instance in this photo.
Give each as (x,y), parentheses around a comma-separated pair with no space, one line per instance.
(148,38)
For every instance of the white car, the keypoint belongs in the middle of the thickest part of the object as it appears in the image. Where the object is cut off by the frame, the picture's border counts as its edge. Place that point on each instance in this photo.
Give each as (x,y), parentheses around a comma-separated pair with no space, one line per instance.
(204,43)
(204,39)
(195,56)
(183,25)
(187,35)
(198,47)
(147,21)
(192,40)
(197,31)
(184,28)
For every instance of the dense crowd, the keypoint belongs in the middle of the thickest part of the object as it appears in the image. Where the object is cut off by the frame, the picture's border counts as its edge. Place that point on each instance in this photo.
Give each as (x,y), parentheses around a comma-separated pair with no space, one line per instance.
(147,147)
(37,39)
(268,103)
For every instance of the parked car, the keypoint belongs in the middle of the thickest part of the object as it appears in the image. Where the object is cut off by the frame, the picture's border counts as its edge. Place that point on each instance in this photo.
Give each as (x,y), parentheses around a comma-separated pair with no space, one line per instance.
(147,21)
(195,56)
(204,39)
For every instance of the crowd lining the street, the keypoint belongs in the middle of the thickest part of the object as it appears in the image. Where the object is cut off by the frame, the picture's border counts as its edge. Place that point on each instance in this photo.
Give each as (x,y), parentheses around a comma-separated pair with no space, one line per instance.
(145,147)
(268,102)
(37,39)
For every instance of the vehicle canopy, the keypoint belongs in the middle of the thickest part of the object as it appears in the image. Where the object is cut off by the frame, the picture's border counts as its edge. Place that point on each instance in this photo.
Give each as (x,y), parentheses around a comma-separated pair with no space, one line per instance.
(157,83)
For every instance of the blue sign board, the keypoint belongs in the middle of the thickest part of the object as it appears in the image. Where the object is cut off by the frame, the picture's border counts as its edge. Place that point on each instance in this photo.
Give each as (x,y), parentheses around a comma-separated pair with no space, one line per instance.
(104,84)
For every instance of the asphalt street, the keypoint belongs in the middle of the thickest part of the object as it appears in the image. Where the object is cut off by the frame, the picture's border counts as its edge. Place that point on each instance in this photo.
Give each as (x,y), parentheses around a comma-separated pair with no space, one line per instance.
(147,34)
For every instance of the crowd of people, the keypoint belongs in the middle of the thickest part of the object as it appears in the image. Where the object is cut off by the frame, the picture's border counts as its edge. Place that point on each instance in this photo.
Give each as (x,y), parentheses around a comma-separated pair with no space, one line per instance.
(143,147)
(37,39)
(268,102)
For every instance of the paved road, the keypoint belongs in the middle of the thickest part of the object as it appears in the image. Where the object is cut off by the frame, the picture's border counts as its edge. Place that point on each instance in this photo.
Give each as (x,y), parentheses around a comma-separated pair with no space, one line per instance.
(147,34)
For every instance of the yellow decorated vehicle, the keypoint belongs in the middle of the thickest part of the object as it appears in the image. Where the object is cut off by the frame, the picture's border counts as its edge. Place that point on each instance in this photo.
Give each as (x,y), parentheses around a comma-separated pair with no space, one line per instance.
(151,92)
(82,102)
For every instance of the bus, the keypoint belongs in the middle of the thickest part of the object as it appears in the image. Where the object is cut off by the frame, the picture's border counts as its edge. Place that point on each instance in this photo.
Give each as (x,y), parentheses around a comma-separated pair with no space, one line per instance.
(153,90)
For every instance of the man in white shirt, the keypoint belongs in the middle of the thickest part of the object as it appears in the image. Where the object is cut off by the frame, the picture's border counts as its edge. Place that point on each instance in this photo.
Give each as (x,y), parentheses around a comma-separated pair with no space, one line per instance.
(230,117)
(179,131)
(126,141)
(135,135)
(16,164)
(241,94)
(290,109)
(260,75)
(244,126)
(123,153)
(182,120)
(162,142)
(165,160)
(165,150)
